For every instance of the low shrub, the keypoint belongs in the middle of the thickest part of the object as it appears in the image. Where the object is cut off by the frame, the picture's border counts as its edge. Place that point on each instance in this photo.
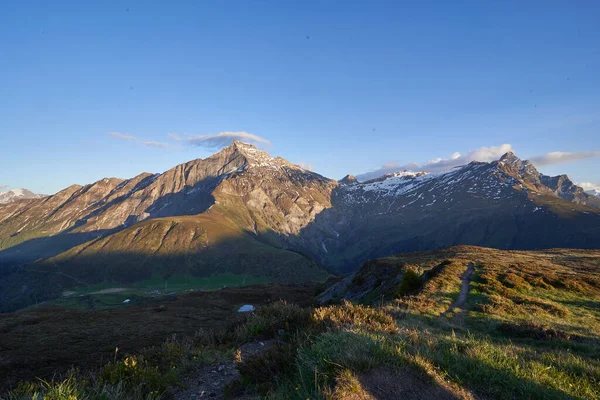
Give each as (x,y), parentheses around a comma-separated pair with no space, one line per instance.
(264,369)
(349,316)
(515,282)
(134,374)
(411,283)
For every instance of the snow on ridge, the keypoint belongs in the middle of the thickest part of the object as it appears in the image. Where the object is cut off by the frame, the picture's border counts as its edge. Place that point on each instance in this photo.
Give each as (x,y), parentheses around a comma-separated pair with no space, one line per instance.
(398,182)
(481,177)
(406,173)
(594,192)
(18,194)
(256,157)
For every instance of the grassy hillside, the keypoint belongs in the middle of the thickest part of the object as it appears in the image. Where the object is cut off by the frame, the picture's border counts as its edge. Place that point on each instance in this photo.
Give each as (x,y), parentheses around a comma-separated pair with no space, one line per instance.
(460,323)
(200,245)
(197,247)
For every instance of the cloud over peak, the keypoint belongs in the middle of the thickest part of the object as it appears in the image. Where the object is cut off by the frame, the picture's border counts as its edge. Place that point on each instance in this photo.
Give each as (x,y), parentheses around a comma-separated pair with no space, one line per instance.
(485,154)
(219,140)
(588,186)
(210,142)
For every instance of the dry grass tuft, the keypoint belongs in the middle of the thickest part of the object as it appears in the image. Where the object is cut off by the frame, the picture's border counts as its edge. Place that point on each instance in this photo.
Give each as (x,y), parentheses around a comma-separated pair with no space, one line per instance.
(348,316)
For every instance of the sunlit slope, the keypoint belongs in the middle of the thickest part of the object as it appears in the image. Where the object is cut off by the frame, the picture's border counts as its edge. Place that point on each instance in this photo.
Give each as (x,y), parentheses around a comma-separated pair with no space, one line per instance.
(194,246)
(197,245)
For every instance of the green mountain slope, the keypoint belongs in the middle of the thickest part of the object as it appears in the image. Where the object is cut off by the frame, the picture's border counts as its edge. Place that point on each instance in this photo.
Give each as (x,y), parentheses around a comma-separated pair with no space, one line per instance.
(194,246)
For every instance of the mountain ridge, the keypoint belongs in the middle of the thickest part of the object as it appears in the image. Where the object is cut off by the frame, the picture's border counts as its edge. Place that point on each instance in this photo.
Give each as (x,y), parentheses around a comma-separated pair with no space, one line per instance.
(243,203)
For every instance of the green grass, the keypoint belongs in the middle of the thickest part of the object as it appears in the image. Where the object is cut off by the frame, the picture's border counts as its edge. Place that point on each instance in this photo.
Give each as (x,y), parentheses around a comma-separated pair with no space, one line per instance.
(86,297)
(547,305)
(530,329)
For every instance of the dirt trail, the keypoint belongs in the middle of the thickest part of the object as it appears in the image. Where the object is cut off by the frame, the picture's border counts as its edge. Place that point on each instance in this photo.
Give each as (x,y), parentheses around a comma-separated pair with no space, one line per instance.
(210,381)
(464,290)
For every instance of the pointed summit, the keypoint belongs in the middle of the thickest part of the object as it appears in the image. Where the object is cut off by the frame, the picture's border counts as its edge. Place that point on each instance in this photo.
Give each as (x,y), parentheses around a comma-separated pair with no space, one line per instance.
(242,146)
(510,157)
(511,160)
(348,180)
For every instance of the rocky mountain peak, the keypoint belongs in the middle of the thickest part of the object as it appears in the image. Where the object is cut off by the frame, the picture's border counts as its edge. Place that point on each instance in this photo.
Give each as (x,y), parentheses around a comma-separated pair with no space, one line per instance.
(251,155)
(530,178)
(510,158)
(348,180)
(242,145)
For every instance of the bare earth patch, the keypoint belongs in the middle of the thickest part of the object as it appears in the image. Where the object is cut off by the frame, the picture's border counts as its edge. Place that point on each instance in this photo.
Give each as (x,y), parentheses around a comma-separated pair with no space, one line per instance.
(210,381)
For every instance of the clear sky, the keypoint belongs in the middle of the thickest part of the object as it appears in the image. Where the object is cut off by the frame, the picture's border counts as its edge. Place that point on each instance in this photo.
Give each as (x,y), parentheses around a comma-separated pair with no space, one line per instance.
(343,86)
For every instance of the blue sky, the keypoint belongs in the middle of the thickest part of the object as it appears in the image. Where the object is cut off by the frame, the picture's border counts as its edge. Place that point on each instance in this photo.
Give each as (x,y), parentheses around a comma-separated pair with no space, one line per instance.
(344,86)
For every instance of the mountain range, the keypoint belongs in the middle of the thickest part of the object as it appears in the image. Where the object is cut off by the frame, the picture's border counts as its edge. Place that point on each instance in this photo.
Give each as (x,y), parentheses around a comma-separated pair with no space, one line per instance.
(245,212)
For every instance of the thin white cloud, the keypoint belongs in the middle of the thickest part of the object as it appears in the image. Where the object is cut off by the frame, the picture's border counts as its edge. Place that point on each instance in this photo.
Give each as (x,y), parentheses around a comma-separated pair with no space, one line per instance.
(220,140)
(2,187)
(559,157)
(148,143)
(158,145)
(485,154)
(588,186)
(119,135)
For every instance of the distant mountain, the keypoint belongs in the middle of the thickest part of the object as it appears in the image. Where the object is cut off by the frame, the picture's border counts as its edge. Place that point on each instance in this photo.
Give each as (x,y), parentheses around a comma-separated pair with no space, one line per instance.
(245,212)
(505,204)
(18,194)
(593,192)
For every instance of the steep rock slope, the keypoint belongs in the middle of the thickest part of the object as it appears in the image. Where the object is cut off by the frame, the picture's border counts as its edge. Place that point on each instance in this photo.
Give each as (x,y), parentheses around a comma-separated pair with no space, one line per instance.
(112,204)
